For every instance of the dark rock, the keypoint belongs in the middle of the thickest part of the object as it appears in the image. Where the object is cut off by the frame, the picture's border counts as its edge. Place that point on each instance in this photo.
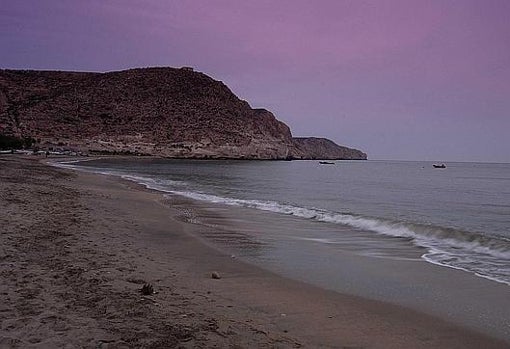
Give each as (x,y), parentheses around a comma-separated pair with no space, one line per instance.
(147,289)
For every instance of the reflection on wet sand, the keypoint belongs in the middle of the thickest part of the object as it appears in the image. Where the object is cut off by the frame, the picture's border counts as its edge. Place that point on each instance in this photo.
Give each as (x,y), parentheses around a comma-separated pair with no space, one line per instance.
(221,230)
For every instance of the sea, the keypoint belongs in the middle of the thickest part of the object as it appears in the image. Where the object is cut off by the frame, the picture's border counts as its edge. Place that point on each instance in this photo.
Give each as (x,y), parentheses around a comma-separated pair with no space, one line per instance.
(368,228)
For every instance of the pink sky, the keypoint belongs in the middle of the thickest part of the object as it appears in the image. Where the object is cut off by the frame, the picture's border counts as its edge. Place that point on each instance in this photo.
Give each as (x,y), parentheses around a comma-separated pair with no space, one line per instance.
(399,79)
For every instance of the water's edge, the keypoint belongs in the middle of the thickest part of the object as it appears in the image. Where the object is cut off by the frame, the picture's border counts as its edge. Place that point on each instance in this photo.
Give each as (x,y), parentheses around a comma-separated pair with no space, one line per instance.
(444,246)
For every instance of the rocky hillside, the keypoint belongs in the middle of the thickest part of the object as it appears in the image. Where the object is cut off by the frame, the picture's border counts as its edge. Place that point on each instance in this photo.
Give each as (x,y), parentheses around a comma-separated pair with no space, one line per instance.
(322,148)
(158,111)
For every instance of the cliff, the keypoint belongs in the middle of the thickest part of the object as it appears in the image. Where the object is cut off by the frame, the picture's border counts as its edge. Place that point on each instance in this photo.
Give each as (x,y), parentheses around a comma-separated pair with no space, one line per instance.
(158,111)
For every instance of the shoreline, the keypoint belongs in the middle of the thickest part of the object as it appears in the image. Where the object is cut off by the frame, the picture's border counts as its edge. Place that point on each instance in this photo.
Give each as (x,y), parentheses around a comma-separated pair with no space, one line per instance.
(457,296)
(104,237)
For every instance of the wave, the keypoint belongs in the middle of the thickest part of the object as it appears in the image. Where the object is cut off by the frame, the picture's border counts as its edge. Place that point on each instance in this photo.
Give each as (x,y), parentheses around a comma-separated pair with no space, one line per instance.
(151,183)
(71,164)
(485,256)
(426,236)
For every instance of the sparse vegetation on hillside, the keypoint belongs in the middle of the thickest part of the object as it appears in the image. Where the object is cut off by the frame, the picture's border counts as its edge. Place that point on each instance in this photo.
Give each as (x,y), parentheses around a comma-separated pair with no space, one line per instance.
(171,112)
(10,142)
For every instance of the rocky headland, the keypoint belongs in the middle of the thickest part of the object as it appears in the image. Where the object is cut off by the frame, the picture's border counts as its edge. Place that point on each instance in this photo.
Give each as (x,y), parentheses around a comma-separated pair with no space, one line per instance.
(171,112)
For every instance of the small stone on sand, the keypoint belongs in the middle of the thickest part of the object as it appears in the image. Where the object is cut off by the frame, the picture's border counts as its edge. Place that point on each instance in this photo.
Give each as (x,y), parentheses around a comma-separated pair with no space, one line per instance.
(147,289)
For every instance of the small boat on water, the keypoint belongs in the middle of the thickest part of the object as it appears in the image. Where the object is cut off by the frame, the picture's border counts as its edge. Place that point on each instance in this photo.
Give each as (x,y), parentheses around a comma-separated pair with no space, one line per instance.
(326,163)
(439,166)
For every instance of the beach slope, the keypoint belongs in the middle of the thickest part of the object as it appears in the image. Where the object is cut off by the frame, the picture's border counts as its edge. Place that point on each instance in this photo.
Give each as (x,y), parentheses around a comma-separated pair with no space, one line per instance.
(76,248)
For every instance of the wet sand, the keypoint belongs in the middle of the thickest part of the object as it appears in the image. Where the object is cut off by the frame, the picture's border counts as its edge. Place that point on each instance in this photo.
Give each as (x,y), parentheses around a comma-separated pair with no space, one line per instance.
(75,249)
(361,263)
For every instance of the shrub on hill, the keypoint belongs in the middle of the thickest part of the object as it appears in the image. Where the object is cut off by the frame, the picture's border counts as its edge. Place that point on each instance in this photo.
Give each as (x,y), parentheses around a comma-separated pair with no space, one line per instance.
(11,142)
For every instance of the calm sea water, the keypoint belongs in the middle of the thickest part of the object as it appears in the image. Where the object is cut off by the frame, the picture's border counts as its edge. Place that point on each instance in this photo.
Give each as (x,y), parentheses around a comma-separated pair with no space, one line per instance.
(458,217)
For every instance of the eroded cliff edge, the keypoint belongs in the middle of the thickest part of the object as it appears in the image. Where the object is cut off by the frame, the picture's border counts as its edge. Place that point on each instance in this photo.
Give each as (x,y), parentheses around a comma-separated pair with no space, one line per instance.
(157,111)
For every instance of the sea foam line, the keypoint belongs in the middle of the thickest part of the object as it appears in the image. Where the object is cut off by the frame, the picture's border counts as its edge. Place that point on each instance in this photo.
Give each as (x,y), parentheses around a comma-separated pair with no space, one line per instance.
(438,241)
(384,227)
(432,238)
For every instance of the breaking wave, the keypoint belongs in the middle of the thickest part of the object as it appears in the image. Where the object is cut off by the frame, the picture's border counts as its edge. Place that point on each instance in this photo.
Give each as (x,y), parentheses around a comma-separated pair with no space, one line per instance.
(485,256)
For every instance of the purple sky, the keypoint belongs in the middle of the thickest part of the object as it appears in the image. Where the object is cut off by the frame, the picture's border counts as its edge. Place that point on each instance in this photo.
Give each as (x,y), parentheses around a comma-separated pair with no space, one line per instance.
(399,79)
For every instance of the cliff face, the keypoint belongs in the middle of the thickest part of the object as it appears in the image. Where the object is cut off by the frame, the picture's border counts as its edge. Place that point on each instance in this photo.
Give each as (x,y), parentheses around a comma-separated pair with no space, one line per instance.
(159,111)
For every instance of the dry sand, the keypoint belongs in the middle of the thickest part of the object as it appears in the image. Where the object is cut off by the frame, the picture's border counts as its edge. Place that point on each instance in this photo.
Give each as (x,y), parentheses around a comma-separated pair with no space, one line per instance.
(76,248)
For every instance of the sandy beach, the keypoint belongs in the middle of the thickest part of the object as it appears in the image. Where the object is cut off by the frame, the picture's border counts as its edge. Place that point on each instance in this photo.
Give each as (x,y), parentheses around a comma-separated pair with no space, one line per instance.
(76,248)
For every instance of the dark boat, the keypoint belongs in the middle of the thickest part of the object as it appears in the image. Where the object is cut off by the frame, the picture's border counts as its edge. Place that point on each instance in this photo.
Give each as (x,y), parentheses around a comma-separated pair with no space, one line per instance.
(326,163)
(439,166)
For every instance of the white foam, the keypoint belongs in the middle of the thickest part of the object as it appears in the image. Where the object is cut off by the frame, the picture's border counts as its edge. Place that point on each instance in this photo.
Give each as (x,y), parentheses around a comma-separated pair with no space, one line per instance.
(446,247)
(321,240)
(385,227)
(434,239)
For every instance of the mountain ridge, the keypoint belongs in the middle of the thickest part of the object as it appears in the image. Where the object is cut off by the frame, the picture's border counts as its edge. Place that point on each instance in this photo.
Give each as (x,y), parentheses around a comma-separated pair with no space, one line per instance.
(171,112)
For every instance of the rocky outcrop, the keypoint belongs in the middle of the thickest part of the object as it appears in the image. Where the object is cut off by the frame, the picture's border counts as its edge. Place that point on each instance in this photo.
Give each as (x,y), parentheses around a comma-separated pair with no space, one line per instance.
(157,111)
(322,148)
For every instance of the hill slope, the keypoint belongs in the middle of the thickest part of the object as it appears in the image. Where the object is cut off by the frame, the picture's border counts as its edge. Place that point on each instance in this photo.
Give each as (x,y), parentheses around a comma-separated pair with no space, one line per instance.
(158,111)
